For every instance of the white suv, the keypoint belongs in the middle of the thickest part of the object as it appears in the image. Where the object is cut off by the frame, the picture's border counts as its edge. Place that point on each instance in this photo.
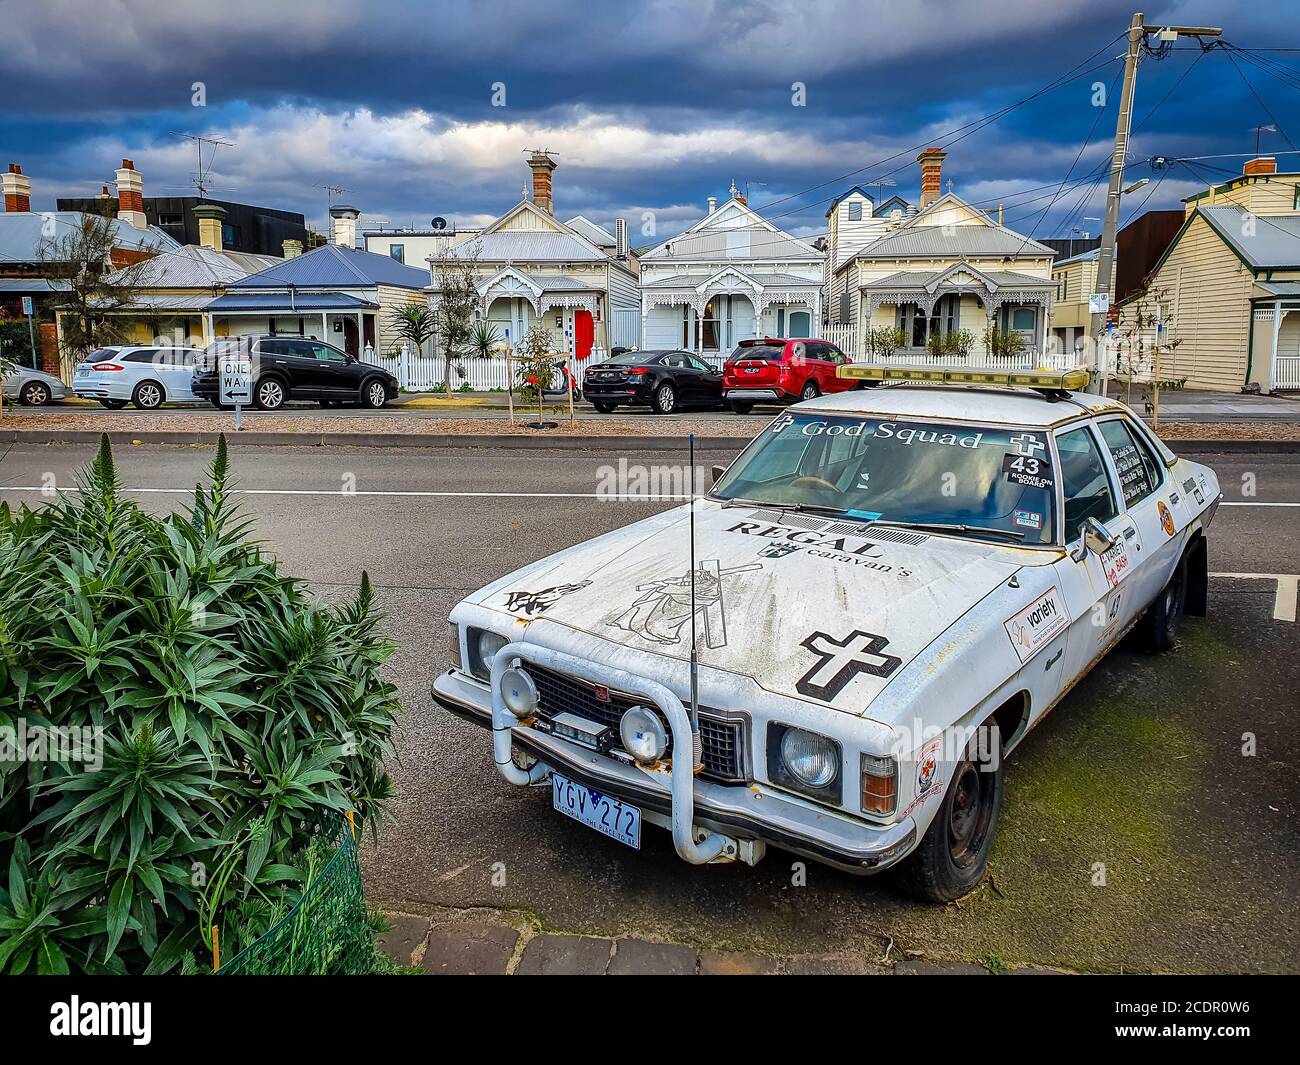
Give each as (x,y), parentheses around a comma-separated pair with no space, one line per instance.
(145,376)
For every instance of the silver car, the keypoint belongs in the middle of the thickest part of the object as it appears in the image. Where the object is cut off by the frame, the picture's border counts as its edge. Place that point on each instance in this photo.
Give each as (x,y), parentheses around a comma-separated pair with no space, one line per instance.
(147,376)
(33,388)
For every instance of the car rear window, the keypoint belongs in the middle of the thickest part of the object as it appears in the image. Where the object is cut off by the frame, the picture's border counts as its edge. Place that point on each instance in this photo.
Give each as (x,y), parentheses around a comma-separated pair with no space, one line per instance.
(633,358)
(769,352)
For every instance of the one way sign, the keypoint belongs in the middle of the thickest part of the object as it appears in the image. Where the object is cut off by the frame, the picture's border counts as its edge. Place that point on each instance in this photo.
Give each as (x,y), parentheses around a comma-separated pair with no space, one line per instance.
(236,374)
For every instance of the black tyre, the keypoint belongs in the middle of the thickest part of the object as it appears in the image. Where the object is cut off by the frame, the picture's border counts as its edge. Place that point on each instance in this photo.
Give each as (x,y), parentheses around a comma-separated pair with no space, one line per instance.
(34,394)
(373,394)
(954,853)
(148,395)
(741,408)
(113,404)
(1158,630)
(665,400)
(269,394)
(605,408)
(810,391)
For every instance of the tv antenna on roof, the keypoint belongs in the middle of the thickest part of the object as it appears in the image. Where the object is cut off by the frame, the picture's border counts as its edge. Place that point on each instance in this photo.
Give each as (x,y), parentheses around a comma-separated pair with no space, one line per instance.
(330,192)
(200,180)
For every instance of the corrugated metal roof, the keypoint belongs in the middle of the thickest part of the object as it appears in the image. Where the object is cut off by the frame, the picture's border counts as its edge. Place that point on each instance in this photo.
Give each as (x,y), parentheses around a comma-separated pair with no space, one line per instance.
(280,301)
(165,301)
(952,242)
(685,281)
(744,242)
(1286,289)
(528,246)
(921,278)
(591,231)
(21,233)
(34,285)
(188,267)
(1274,241)
(332,266)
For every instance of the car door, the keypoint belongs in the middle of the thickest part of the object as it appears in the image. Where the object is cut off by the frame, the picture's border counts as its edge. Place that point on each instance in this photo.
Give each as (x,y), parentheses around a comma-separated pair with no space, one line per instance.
(336,373)
(708,381)
(1097,598)
(278,356)
(835,359)
(1144,490)
(677,370)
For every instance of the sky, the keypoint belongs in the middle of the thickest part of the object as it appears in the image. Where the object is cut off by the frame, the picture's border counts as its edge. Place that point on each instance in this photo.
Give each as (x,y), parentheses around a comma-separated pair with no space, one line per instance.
(424,109)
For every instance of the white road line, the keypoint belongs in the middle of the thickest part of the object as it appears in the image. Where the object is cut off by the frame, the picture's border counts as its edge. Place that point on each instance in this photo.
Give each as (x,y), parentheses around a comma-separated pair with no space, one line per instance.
(1225,504)
(1284,598)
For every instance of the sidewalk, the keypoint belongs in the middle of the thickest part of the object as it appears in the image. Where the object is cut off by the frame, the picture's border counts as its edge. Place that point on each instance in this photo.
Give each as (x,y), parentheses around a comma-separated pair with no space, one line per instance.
(482,943)
(1194,405)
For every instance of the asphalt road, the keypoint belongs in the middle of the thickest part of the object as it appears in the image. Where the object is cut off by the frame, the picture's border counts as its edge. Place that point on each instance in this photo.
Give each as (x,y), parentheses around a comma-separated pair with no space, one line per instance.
(1141,768)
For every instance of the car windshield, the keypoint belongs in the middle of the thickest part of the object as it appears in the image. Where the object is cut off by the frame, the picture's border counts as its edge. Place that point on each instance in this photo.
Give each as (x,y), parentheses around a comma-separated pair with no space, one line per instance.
(991,483)
(766,352)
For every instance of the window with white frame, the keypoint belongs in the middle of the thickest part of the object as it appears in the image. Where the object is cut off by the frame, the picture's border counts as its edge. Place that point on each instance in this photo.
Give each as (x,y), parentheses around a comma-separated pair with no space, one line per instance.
(918,327)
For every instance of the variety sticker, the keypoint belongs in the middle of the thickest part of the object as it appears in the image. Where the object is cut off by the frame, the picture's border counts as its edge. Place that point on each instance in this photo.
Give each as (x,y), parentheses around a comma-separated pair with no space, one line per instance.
(1034,627)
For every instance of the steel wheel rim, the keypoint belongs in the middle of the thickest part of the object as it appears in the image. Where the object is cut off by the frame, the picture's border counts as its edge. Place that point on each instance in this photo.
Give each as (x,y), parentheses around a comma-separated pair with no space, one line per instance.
(149,396)
(666,398)
(969,815)
(36,395)
(377,395)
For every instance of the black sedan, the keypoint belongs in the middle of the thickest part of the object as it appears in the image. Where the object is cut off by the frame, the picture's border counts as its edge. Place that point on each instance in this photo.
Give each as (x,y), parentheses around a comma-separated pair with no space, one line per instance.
(661,380)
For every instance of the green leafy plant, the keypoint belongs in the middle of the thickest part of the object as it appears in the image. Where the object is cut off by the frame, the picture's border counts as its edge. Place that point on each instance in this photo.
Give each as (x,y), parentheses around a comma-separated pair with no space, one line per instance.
(534,357)
(1004,342)
(414,323)
(884,340)
(221,714)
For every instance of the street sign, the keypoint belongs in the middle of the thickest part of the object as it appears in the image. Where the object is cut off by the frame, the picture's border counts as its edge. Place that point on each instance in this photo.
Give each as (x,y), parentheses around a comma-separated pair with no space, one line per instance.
(236,374)
(27,306)
(1099,303)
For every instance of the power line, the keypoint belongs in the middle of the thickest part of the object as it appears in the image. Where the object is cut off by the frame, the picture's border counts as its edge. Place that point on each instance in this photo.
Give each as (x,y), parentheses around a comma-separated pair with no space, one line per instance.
(1259,99)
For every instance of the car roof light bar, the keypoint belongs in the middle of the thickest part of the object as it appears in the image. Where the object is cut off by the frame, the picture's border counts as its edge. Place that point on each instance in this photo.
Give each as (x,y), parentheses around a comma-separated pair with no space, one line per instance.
(1043,380)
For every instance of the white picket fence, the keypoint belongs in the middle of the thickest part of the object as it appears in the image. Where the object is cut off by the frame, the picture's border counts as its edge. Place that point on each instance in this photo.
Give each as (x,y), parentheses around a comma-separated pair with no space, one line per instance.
(424,373)
(1287,372)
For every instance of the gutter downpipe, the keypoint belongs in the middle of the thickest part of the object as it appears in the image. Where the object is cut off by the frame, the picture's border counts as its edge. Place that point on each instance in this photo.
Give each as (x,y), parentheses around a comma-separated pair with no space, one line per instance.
(711,844)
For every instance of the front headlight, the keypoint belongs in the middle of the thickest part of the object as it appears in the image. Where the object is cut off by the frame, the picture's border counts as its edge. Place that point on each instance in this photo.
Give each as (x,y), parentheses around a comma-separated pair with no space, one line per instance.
(804,761)
(481,647)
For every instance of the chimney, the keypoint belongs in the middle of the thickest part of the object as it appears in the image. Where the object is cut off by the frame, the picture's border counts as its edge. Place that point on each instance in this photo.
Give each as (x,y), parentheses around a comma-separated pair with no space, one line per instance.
(17,189)
(210,217)
(931,161)
(130,196)
(1264,164)
(713,204)
(345,225)
(292,248)
(620,237)
(542,166)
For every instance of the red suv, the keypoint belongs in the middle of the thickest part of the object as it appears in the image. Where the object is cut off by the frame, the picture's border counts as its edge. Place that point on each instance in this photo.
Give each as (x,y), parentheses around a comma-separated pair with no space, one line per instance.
(770,370)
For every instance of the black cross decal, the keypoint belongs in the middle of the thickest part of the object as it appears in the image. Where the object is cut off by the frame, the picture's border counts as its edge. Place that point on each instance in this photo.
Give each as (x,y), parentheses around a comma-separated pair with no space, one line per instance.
(839,661)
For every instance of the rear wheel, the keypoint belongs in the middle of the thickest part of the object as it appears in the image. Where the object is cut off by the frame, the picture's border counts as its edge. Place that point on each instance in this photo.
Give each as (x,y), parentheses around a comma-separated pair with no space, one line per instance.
(113,404)
(148,395)
(269,394)
(605,408)
(810,391)
(954,853)
(665,399)
(741,408)
(1159,628)
(34,394)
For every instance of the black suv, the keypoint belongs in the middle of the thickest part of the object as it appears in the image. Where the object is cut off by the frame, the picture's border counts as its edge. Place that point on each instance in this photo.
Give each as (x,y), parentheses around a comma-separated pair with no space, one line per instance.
(286,368)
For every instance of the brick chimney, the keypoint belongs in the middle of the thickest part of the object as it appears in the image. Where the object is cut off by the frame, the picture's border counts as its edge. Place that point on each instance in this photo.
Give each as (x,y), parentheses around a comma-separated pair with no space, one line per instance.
(291,248)
(542,166)
(931,161)
(345,225)
(1264,164)
(17,189)
(210,217)
(130,196)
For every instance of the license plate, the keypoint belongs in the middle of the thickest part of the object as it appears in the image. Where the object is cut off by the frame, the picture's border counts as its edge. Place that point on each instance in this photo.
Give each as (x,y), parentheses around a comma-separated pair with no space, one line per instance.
(752,369)
(605,814)
(83,371)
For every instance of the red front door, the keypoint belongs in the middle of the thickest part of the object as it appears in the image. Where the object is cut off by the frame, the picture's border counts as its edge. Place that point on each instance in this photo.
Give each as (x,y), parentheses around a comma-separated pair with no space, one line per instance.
(584,334)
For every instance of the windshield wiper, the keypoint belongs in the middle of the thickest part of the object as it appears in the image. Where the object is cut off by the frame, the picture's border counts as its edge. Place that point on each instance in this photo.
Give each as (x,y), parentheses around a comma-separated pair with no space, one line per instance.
(939,526)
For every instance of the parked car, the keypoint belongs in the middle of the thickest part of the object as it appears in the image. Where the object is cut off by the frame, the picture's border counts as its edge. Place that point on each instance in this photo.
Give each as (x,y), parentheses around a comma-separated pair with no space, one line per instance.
(286,368)
(33,388)
(146,375)
(872,638)
(662,380)
(771,370)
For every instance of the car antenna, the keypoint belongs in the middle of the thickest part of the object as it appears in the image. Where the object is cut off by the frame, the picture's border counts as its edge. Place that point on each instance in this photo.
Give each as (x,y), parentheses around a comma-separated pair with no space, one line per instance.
(697,749)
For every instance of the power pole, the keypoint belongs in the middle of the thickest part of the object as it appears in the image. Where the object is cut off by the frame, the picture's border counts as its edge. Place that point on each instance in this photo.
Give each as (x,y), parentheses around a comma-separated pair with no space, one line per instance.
(1138,32)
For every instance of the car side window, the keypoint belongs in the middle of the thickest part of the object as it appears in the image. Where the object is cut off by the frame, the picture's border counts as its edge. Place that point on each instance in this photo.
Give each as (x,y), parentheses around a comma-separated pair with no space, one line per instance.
(676,361)
(1084,482)
(1139,472)
(143,355)
(300,349)
(328,354)
(273,347)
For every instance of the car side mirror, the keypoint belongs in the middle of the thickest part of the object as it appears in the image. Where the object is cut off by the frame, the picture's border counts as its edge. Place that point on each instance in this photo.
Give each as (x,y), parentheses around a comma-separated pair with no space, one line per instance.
(1096,538)
(717,472)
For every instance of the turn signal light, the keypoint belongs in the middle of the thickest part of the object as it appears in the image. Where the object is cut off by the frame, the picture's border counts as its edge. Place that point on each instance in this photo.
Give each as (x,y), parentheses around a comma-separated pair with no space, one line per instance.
(879,785)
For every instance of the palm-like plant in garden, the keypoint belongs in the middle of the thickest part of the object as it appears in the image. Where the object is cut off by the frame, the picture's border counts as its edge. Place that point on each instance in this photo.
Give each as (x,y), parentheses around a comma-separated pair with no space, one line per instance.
(231,710)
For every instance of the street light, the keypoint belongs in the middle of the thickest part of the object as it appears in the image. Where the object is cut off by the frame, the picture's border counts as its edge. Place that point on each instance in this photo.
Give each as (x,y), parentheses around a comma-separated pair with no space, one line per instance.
(1137,185)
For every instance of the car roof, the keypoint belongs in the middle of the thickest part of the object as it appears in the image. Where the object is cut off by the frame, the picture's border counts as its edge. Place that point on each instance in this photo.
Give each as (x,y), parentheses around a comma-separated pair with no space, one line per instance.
(973,403)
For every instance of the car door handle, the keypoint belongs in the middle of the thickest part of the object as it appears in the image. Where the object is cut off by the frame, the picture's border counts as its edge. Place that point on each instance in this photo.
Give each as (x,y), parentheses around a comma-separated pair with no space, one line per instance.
(1130,532)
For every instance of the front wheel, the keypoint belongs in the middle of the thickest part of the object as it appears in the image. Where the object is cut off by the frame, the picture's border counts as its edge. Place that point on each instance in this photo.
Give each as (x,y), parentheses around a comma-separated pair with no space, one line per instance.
(1159,628)
(269,394)
(810,391)
(954,853)
(373,394)
(665,399)
(605,408)
(34,394)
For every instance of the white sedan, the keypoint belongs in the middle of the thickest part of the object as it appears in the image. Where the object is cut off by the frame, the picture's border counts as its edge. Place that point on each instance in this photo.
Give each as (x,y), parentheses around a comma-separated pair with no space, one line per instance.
(891,587)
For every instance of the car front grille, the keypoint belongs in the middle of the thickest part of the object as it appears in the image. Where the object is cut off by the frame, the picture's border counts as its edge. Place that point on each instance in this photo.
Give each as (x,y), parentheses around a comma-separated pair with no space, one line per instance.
(723,740)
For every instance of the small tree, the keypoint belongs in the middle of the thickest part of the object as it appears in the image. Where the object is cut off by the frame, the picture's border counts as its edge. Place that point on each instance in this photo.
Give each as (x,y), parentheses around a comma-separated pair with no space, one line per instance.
(1140,345)
(454,307)
(534,356)
(414,323)
(884,340)
(81,256)
(1004,342)
(959,342)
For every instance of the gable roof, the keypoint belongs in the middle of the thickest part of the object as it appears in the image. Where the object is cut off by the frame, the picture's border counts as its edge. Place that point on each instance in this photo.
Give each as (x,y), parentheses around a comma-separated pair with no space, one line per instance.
(550,240)
(193,266)
(836,201)
(332,266)
(753,238)
(21,233)
(890,204)
(585,227)
(920,238)
(1274,244)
